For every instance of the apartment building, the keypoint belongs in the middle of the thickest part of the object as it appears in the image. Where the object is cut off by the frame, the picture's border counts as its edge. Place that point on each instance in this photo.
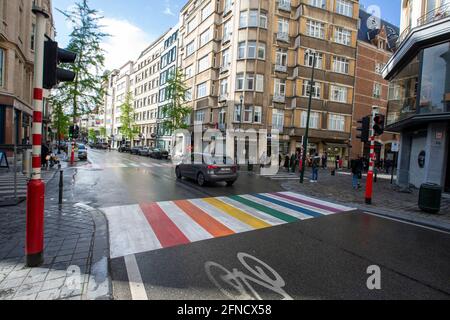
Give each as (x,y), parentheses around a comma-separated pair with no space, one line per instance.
(17,43)
(145,91)
(120,83)
(248,65)
(169,63)
(375,46)
(419,99)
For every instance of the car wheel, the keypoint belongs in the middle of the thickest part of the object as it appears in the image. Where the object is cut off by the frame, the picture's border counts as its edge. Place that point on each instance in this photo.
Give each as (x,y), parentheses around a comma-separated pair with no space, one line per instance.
(178,173)
(230,183)
(201,179)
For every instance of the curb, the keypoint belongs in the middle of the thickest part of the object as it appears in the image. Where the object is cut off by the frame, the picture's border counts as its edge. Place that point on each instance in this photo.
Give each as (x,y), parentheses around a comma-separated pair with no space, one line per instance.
(99,285)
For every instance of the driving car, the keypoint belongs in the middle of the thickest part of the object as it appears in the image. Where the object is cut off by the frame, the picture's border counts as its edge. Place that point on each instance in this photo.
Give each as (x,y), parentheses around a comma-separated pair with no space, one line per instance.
(124,148)
(159,154)
(210,169)
(82,151)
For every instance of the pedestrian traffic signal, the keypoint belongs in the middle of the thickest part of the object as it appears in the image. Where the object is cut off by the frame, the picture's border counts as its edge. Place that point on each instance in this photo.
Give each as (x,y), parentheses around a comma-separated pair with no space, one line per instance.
(53,56)
(378,126)
(364,129)
(74,132)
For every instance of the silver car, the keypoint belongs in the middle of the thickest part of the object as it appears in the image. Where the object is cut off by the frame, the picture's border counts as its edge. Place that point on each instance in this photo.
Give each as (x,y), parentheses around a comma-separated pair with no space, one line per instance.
(212,169)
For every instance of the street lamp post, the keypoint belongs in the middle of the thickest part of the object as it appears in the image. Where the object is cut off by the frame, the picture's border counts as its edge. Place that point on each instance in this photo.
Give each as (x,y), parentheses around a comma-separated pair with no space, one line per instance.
(306,137)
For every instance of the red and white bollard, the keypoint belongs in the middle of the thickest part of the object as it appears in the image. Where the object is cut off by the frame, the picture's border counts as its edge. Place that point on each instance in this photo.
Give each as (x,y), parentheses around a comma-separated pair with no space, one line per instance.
(34,247)
(369,182)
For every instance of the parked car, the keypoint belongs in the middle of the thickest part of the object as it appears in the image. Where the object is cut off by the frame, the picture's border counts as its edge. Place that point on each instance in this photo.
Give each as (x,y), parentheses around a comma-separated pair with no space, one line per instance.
(82,151)
(159,154)
(145,151)
(135,150)
(124,148)
(212,169)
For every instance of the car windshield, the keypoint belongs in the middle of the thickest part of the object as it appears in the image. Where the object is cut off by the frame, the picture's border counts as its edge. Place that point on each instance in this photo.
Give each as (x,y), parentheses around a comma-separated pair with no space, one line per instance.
(81,147)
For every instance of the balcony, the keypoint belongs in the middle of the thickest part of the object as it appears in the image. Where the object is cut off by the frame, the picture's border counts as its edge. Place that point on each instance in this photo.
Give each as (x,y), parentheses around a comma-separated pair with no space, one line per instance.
(227,10)
(284,5)
(223,97)
(280,68)
(225,68)
(283,36)
(226,38)
(279,98)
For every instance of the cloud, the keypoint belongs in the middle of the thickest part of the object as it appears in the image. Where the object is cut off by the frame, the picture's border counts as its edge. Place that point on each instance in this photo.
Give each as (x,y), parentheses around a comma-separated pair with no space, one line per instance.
(169,12)
(126,42)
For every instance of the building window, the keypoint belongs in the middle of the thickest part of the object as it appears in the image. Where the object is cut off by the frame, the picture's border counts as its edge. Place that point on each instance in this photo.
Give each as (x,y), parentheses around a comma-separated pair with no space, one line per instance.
(191,25)
(336,122)
(241,50)
(281,57)
(251,50)
(201,90)
(240,81)
(189,71)
(224,87)
(205,37)
(2,66)
(227,30)
(341,65)
(377,90)
(262,51)
(280,87)
(283,26)
(190,48)
(227,6)
(379,68)
(307,87)
(203,64)
(200,116)
(252,19)
(257,115)
(248,113)
(338,94)
(343,36)
(237,113)
(315,29)
(259,83)
(206,11)
(318,3)
(278,119)
(313,120)
(309,59)
(226,59)
(188,95)
(222,116)
(344,7)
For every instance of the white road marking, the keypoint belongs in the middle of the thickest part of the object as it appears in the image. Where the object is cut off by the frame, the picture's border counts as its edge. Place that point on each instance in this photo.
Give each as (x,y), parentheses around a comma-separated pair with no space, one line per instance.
(329,204)
(130,231)
(137,287)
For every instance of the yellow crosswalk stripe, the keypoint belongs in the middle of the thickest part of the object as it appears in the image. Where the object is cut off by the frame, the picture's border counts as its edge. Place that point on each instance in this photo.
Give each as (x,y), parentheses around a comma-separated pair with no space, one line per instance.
(238,214)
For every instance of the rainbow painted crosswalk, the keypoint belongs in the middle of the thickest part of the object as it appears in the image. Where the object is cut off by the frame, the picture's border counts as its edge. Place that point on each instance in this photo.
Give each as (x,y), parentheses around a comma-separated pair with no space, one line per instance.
(152,226)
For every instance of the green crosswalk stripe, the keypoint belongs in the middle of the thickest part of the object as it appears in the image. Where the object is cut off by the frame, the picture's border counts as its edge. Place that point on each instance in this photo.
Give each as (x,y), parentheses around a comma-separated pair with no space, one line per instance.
(260,207)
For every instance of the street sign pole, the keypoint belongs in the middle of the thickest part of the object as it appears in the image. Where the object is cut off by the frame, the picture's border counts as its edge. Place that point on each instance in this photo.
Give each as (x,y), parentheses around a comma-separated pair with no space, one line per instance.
(369,183)
(34,247)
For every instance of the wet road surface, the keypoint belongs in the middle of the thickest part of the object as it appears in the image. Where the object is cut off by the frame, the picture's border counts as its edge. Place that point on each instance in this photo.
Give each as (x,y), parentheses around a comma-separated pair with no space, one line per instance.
(250,241)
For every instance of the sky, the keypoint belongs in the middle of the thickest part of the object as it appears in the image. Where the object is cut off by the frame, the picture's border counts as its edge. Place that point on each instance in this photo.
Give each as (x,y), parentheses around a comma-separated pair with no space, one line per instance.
(134,24)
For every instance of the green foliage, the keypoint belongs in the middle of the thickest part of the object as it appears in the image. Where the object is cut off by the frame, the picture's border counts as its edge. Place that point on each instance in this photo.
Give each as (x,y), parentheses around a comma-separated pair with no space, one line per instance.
(85,94)
(60,121)
(128,119)
(102,132)
(175,111)
(92,135)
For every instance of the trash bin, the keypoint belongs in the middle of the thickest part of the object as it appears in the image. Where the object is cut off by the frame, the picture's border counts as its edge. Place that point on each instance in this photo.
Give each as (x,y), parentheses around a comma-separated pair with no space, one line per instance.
(430,197)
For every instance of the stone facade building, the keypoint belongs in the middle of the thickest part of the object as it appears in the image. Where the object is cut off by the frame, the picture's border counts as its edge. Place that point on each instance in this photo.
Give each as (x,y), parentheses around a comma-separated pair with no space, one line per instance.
(17,25)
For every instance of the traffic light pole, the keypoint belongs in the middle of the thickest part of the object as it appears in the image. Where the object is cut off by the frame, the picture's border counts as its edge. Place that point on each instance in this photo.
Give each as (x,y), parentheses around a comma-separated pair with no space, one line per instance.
(34,247)
(369,182)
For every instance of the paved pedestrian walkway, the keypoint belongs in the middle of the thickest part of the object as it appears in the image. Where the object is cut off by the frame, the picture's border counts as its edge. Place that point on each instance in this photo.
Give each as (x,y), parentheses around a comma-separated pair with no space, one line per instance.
(76,252)
(387,199)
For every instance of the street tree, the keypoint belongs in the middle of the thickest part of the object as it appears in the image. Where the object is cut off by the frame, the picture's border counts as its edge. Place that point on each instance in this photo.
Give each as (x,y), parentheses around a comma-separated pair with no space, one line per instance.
(85,94)
(176,111)
(60,120)
(129,129)
(102,132)
(92,135)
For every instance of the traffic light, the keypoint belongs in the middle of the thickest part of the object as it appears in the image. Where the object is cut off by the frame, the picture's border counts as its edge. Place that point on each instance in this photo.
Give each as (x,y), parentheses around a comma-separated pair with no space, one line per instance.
(378,126)
(53,56)
(74,132)
(364,129)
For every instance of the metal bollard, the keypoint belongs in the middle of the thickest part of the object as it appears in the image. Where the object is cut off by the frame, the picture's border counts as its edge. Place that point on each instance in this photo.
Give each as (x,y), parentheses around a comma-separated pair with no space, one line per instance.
(61,184)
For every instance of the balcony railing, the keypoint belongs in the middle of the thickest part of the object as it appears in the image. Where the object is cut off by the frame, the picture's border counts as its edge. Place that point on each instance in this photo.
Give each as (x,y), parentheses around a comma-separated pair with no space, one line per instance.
(280,68)
(223,97)
(283,36)
(226,38)
(279,98)
(284,5)
(225,68)
(434,15)
(227,10)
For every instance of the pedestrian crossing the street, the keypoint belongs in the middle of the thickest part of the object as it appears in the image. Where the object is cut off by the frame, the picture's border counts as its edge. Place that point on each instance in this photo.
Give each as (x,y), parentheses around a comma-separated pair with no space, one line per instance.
(151,226)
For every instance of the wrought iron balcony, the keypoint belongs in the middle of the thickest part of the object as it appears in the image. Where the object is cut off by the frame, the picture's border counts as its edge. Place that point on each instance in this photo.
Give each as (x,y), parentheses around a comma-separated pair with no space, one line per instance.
(284,5)
(280,68)
(279,98)
(283,36)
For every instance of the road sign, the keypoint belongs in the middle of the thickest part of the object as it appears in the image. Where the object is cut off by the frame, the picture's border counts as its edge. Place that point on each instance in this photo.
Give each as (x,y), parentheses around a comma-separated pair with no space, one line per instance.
(395,147)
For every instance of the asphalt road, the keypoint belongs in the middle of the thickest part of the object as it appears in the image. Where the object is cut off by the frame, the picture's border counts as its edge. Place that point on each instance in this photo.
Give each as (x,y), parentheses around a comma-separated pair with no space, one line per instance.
(327,255)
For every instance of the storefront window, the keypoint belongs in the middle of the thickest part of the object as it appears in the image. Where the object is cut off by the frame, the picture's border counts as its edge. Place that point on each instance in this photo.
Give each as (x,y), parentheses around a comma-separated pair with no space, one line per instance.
(435,84)
(403,92)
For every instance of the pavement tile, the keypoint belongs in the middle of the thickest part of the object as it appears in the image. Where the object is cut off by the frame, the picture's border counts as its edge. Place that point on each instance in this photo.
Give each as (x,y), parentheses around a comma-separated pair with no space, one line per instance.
(18,274)
(63,258)
(7,284)
(27,289)
(53,284)
(52,294)
(35,278)
(81,255)
(31,296)
(8,294)
(56,274)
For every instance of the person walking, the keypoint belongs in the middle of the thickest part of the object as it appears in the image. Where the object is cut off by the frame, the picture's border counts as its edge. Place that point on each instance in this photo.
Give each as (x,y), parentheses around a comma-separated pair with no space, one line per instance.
(45,152)
(315,168)
(324,160)
(286,163)
(357,168)
(292,162)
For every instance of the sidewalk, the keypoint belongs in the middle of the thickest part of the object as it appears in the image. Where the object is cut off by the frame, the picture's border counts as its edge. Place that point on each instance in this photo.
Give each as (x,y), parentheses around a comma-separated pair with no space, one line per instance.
(76,252)
(388,200)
